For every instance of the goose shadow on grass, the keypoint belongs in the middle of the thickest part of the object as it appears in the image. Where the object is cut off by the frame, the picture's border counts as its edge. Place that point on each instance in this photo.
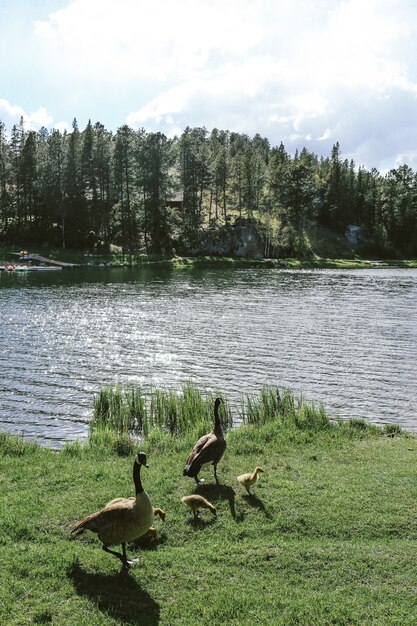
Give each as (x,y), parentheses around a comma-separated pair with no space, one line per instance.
(118,595)
(256,503)
(215,493)
(148,542)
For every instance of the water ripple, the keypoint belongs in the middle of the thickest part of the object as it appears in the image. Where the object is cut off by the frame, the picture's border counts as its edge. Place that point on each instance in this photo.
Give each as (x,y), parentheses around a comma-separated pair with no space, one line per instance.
(346,338)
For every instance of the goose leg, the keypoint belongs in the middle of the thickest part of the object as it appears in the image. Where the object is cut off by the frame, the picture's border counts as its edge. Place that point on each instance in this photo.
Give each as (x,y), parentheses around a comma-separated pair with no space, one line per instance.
(215,474)
(128,561)
(122,557)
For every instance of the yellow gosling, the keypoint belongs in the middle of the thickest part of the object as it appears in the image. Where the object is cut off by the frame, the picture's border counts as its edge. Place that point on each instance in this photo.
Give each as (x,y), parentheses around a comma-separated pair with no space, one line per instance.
(160,513)
(247,480)
(196,502)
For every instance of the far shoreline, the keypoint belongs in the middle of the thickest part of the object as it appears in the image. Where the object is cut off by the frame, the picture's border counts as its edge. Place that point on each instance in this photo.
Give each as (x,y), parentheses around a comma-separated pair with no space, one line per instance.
(92,260)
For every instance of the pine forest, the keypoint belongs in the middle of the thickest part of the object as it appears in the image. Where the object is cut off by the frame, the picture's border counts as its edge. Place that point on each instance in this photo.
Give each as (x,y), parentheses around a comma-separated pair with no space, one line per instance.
(148,193)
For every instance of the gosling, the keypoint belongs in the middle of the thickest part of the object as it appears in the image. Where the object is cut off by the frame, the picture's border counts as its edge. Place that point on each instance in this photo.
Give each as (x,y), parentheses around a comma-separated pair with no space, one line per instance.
(247,480)
(196,502)
(161,514)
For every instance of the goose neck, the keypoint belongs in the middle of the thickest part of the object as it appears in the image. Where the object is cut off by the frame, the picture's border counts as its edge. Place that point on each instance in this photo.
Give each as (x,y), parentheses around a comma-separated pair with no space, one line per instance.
(137,479)
(217,423)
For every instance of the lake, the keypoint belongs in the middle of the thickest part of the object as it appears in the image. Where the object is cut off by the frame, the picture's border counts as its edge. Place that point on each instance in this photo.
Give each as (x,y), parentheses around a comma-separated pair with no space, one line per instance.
(346,338)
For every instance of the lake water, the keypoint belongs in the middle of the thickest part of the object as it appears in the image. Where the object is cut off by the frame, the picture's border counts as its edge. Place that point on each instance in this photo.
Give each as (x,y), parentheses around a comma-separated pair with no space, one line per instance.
(346,338)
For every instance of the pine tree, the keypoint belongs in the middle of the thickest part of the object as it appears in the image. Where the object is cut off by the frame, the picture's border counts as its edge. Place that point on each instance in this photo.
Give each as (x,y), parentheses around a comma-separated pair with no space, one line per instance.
(157,161)
(74,226)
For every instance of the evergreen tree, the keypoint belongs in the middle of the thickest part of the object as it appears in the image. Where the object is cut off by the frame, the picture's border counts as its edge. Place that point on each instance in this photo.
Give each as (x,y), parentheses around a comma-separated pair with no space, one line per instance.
(5,179)
(74,224)
(29,176)
(194,179)
(157,161)
(124,183)
(16,148)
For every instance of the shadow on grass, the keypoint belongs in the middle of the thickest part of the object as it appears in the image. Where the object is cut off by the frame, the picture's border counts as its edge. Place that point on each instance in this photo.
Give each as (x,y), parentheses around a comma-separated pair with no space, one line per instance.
(118,595)
(255,502)
(150,542)
(215,493)
(201,522)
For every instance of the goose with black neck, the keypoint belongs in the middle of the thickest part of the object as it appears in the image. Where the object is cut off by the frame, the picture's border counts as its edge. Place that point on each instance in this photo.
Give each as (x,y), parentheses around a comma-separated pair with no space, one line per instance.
(122,519)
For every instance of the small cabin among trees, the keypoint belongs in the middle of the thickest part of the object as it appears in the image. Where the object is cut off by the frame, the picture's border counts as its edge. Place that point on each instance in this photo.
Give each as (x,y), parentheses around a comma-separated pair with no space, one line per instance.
(176,201)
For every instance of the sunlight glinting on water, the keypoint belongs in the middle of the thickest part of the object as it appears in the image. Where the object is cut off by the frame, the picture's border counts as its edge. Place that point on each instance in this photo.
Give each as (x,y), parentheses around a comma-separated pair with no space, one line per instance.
(346,338)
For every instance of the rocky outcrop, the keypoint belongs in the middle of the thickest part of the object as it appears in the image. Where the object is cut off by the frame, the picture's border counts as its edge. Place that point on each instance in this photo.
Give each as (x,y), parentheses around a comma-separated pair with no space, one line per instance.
(353,234)
(240,239)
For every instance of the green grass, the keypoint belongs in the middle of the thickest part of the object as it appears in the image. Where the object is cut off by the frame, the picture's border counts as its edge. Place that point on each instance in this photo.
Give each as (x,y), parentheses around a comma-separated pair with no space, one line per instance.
(329,536)
(348,264)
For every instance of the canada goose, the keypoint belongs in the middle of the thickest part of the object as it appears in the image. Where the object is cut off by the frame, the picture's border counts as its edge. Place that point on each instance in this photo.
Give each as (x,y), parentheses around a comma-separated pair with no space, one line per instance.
(196,502)
(122,519)
(209,449)
(160,512)
(157,511)
(247,480)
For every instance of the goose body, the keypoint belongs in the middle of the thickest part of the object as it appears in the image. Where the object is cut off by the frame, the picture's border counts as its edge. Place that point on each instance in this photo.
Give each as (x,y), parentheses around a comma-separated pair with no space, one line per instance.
(208,450)
(122,519)
(247,480)
(157,511)
(196,502)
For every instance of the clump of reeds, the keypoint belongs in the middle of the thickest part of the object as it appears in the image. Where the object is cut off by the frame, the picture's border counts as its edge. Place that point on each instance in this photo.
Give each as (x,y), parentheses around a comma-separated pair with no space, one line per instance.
(136,412)
(16,445)
(277,404)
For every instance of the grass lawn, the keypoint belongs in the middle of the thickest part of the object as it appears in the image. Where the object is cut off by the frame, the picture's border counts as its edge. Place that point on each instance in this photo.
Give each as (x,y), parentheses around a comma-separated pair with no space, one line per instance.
(328,536)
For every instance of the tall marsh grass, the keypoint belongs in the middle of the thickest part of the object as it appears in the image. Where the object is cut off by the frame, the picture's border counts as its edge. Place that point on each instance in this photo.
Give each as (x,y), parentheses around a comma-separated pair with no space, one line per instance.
(277,404)
(136,412)
(190,411)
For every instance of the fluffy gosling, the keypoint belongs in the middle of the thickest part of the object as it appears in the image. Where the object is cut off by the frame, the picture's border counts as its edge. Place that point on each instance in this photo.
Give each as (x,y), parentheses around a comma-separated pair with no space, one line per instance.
(196,502)
(247,480)
(161,514)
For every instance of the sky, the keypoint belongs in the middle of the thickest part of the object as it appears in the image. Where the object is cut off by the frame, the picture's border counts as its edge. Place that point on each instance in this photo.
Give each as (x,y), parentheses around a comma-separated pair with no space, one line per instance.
(308,73)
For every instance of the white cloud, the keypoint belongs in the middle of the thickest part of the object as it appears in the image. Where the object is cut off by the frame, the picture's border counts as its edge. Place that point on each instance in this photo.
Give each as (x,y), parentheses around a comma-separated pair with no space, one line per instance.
(302,71)
(62,127)
(331,75)
(11,114)
(139,38)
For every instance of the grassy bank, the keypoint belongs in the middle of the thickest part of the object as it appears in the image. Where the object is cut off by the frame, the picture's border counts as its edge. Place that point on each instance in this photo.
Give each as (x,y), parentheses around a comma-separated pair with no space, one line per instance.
(328,538)
(348,264)
(117,260)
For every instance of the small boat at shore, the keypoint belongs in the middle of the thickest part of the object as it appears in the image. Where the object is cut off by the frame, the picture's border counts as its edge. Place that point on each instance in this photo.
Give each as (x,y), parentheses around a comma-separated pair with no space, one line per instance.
(43,268)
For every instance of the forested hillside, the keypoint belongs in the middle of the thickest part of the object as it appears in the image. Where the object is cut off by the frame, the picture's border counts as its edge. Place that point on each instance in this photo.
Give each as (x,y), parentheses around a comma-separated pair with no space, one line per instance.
(93,188)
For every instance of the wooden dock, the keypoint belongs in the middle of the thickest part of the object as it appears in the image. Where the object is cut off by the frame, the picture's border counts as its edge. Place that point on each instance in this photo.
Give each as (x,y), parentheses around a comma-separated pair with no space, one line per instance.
(42,259)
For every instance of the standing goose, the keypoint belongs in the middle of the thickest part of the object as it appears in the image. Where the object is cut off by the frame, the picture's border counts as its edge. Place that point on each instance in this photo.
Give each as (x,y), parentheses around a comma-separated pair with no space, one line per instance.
(157,511)
(209,449)
(121,520)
